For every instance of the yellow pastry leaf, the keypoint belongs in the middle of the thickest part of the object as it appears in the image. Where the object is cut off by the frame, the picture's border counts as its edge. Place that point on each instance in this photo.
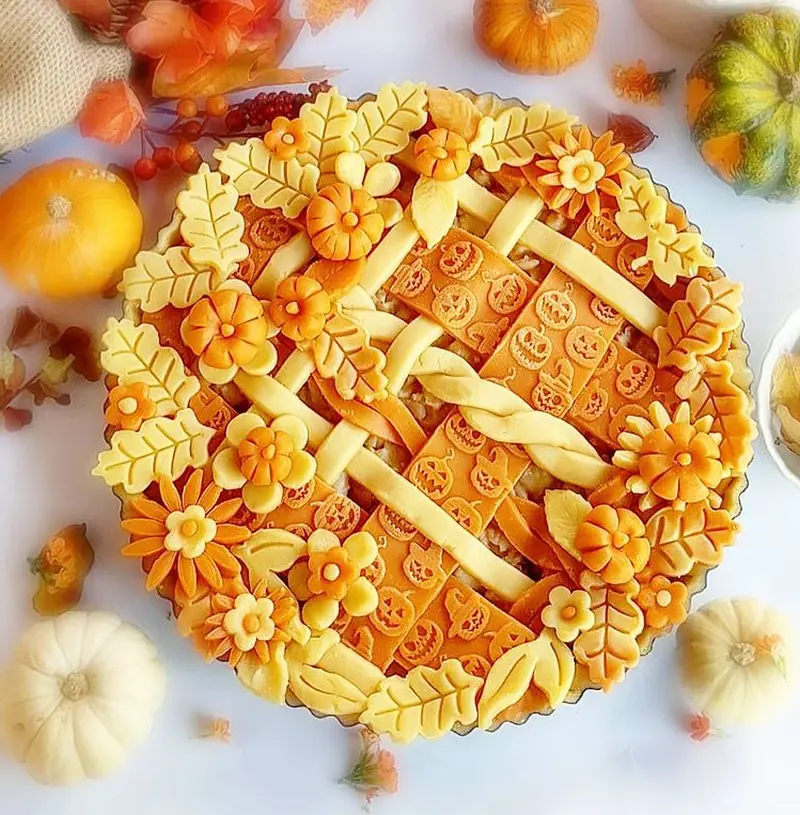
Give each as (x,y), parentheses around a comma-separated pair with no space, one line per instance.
(342,352)
(385,124)
(710,391)
(518,134)
(453,111)
(270,182)
(133,354)
(546,662)
(160,447)
(609,647)
(329,125)
(270,550)
(312,652)
(212,227)
(681,539)
(786,383)
(158,280)
(434,206)
(696,324)
(270,681)
(565,511)
(325,691)
(640,207)
(426,702)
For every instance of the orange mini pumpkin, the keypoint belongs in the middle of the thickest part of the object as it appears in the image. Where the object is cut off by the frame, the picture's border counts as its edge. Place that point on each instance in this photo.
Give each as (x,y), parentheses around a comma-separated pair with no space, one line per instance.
(300,308)
(536,36)
(442,154)
(612,543)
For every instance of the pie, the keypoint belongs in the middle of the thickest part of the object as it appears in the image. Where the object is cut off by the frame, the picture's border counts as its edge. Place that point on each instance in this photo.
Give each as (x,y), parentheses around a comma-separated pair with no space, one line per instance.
(428,411)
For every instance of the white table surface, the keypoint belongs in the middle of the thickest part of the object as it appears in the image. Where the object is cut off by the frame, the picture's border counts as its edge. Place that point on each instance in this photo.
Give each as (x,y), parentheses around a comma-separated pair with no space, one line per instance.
(622,753)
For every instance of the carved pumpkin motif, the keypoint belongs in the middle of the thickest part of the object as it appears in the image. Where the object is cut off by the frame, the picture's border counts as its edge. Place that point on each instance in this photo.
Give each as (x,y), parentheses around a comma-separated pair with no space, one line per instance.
(376,571)
(420,249)
(556,309)
(423,567)
(508,637)
(461,260)
(603,228)
(301,530)
(489,476)
(410,281)
(454,306)
(487,335)
(604,312)
(530,347)
(393,613)
(363,642)
(341,622)
(270,231)
(433,476)
(507,293)
(463,435)
(338,514)
(422,644)
(620,418)
(592,403)
(635,379)
(625,257)
(469,614)
(549,399)
(395,524)
(585,345)
(476,665)
(299,497)
(464,514)
(609,361)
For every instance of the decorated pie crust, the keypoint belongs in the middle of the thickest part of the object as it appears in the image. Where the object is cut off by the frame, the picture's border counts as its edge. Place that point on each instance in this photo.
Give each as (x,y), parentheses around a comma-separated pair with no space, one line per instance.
(427,411)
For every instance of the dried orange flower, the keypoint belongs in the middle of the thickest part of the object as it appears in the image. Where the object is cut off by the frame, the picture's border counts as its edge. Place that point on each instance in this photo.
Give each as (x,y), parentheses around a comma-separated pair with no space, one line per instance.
(636,84)
(129,406)
(577,170)
(343,223)
(286,139)
(188,532)
(612,543)
(218,729)
(442,154)
(673,460)
(300,308)
(663,602)
(699,727)
(62,566)
(375,771)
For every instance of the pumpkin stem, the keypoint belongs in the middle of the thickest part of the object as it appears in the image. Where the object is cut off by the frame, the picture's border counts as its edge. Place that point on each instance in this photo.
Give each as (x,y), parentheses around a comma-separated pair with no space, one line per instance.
(789,87)
(75,687)
(59,207)
(743,654)
(542,9)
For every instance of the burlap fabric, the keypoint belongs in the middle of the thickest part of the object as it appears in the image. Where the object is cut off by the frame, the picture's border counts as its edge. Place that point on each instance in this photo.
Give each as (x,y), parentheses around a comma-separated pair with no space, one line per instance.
(48,63)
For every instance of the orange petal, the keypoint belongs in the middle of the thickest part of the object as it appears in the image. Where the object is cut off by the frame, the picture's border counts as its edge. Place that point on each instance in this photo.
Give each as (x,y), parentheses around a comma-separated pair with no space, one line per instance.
(191,491)
(229,534)
(210,497)
(187,574)
(226,510)
(144,547)
(223,559)
(160,570)
(169,495)
(149,509)
(207,568)
(144,526)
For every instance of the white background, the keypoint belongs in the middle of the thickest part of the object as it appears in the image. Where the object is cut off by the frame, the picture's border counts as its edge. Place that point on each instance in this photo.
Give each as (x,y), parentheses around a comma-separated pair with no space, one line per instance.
(623,753)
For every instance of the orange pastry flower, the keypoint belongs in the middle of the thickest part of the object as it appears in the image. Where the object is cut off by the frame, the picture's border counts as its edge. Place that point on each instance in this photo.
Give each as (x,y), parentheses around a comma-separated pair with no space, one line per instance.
(612,543)
(129,406)
(228,330)
(663,602)
(442,154)
(332,575)
(260,622)
(300,308)
(343,223)
(578,169)
(673,460)
(286,139)
(188,532)
(568,613)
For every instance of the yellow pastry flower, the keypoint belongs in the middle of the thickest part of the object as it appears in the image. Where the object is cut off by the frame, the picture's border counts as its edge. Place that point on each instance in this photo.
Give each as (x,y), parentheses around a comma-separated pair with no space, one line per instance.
(380,181)
(262,459)
(189,531)
(673,460)
(568,613)
(580,172)
(333,575)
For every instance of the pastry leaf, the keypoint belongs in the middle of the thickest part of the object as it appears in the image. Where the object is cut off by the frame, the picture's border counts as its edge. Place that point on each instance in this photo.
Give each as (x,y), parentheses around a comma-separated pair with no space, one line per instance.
(270,550)
(329,124)
(565,511)
(325,692)
(453,111)
(434,206)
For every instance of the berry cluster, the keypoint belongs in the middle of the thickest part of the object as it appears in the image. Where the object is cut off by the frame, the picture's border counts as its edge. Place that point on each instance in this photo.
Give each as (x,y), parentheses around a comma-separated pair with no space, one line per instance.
(262,109)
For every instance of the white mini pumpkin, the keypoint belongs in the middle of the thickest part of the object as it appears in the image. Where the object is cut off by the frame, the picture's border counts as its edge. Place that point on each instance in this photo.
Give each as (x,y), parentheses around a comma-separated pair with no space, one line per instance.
(79,693)
(736,659)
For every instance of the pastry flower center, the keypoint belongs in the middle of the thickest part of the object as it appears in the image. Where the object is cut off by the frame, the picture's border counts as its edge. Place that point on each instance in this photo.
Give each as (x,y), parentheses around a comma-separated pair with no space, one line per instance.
(350,220)
(439,152)
(127,406)
(569,612)
(288,138)
(663,598)
(251,623)
(331,572)
(619,540)
(227,330)
(293,307)
(684,459)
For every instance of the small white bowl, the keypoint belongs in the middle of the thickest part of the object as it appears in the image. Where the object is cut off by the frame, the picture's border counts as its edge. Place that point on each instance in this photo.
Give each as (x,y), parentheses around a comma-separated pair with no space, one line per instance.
(787,339)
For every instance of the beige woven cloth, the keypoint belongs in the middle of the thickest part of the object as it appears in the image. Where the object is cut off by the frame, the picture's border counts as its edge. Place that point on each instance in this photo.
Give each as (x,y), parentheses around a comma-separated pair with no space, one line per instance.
(47,66)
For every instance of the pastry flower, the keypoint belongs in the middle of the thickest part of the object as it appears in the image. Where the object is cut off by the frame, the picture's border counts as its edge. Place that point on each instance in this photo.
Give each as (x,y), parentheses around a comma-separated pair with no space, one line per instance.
(568,612)
(333,575)
(578,169)
(612,543)
(286,139)
(663,602)
(262,459)
(261,622)
(129,406)
(185,533)
(672,459)
(228,331)
(300,308)
(442,155)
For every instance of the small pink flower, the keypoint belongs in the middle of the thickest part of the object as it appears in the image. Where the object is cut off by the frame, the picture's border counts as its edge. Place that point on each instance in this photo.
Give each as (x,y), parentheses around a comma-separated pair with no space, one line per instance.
(699,727)
(375,771)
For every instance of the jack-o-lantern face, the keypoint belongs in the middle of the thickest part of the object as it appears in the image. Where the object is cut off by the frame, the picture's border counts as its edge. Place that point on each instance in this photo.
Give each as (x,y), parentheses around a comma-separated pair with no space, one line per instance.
(410,281)
(394,612)
(469,614)
(530,347)
(463,513)
(432,476)
(247,271)
(463,435)
(395,524)
(509,636)
(270,231)
(507,294)
(604,312)
(592,403)
(489,476)
(301,530)
(338,514)
(476,665)
(640,276)
(423,567)
(547,398)
(376,571)
(635,379)
(608,361)
(585,345)
(363,642)
(295,498)
(461,260)
(420,249)
(604,229)
(422,644)
(556,309)
(454,306)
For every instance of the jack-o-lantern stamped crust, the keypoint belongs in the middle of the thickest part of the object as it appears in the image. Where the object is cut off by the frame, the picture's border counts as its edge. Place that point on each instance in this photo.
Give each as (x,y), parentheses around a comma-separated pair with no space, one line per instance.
(448,411)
